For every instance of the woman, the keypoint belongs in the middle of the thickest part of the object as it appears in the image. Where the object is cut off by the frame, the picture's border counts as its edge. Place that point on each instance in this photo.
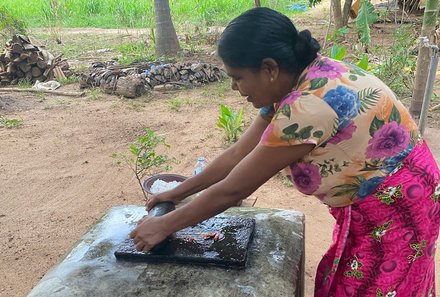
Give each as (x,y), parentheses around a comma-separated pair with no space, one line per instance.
(347,140)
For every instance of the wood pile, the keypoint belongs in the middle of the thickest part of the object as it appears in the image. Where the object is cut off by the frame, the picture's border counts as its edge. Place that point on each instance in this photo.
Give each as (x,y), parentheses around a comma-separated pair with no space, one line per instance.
(107,75)
(25,59)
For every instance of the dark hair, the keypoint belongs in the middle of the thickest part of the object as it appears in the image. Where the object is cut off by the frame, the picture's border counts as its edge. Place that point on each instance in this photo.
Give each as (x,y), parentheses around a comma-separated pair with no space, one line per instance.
(261,33)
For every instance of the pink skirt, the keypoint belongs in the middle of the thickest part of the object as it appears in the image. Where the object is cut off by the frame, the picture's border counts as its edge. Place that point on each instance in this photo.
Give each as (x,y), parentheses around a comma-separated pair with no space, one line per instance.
(384,245)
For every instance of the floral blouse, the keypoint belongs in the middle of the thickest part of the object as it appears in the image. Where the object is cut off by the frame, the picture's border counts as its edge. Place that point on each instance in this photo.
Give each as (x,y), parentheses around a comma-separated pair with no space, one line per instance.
(361,131)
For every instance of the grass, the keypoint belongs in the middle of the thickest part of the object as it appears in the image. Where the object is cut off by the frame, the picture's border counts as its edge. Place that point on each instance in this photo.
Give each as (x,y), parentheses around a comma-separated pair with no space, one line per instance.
(10,123)
(130,13)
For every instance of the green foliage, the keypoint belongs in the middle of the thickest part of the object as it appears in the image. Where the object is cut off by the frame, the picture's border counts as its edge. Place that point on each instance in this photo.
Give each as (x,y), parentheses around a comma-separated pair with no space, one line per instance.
(365,18)
(175,104)
(397,64)
(68,80)
(143,157)
(135,52)
(133,13)
(337,52)
(363,62)
(10,24)
(231,122)
(10,123)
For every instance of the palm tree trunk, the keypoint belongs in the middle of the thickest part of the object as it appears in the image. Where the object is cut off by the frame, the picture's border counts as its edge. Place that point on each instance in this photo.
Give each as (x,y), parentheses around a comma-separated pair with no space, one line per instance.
(257,3)
(423,59)
(166,37)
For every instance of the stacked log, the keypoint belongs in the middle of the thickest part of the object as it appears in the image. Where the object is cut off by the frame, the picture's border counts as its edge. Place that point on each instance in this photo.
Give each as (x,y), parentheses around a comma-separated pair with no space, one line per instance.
(107,75)
(23,59)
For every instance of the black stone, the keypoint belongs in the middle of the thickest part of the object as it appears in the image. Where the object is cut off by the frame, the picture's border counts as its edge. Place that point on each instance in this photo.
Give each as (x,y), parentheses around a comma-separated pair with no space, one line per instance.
(189,246)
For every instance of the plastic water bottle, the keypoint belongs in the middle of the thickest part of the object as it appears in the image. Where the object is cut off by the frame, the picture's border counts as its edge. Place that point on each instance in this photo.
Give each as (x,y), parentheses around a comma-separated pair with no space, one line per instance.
(200,165)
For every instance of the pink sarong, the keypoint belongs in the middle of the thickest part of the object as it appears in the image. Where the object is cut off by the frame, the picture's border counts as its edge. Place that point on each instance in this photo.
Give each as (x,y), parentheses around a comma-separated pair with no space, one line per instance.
(384,245)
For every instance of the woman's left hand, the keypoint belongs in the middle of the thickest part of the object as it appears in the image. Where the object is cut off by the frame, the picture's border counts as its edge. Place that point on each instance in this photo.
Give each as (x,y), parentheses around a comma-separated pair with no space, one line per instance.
(149,232)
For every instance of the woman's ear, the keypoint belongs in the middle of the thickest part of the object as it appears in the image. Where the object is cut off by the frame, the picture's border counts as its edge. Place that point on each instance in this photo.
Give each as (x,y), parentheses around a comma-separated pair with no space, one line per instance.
(270,68)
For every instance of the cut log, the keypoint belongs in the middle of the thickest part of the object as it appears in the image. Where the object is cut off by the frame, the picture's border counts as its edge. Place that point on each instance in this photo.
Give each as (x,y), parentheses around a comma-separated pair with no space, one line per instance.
(28,76)
(33,58)
(24,56)
(10,68)
(29,47)
(130,87)
(58,73)
(7,57)
(36,72)
(25,67)
(17,48)
(42,64)
(19,74)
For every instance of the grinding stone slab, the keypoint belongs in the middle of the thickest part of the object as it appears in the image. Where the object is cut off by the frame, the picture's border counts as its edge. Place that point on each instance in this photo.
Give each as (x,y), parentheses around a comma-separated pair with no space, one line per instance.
(189,246)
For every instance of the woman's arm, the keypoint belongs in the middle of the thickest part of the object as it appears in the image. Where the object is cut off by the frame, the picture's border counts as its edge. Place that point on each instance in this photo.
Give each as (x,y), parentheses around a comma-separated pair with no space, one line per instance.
(249,174)
(219,168)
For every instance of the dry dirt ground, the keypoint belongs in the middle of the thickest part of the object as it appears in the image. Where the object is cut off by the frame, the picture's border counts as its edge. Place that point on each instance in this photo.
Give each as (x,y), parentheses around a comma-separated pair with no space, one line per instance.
(57,176)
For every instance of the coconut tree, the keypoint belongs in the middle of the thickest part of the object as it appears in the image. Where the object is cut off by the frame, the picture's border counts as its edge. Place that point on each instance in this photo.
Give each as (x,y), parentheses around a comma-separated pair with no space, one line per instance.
(166,37)
(428,29)
(257,3)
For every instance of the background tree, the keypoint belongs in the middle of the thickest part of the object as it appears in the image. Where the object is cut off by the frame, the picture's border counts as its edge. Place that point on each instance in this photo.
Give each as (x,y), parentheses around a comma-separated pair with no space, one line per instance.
(257,3)
(423,59)
(166,37)
(340,14)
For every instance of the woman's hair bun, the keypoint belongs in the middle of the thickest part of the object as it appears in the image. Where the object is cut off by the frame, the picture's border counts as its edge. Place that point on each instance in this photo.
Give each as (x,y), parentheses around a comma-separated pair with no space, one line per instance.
(306,46)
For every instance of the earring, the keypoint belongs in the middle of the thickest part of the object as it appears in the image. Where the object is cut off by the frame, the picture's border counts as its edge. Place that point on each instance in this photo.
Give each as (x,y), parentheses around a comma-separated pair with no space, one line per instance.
(271,79)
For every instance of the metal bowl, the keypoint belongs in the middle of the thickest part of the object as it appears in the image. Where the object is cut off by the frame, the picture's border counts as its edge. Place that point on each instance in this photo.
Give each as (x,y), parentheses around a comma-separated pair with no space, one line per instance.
(166,177)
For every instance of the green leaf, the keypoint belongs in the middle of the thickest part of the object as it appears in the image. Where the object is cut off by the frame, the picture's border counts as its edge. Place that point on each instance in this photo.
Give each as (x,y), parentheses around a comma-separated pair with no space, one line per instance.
(363,63)
(305,132)
(286,110)
(290,130)
(395,115)
(318,134)
(376,124)
(318,83)
(365,18)
(337,52)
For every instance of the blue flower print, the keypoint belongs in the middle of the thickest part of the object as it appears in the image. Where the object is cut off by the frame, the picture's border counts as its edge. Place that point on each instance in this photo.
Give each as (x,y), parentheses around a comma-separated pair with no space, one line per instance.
(345,102)
(368,186)
(389,164)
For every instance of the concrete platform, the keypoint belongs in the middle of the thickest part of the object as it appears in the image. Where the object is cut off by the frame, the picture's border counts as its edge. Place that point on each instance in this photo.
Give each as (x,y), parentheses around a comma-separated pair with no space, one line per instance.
(275,267)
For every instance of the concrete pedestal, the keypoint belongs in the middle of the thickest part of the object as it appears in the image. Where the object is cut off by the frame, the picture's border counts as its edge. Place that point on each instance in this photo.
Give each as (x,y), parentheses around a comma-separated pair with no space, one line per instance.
(275,265)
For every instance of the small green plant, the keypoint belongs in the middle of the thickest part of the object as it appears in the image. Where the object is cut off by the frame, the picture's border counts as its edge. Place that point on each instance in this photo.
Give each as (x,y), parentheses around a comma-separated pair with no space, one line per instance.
(135,52)
(397,64)
(10,123)
(231,122)
(367,16)
(69,80)
(95,94)
(175,104)
(143,158)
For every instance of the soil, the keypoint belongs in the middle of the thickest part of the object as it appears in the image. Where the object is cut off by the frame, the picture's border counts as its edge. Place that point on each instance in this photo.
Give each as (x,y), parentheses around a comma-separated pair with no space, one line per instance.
(57,176)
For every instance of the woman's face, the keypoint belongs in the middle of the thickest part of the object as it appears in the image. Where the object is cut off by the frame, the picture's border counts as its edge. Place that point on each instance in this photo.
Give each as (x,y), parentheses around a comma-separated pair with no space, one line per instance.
(255,85)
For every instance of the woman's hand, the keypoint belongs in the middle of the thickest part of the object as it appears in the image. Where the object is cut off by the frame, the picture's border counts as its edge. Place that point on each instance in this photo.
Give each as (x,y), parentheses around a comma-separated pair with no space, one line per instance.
(149,232)
(161,197)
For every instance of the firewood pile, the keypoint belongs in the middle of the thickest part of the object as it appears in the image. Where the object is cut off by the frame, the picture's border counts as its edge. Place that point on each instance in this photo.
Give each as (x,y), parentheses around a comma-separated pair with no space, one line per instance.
(134,80)
(26,59)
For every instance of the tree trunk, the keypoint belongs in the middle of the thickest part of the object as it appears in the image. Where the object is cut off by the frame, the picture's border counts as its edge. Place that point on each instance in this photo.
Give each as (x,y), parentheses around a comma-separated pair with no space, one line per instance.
(337,14)
(257,3)
(423,59)
(346,12)
(166,37)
